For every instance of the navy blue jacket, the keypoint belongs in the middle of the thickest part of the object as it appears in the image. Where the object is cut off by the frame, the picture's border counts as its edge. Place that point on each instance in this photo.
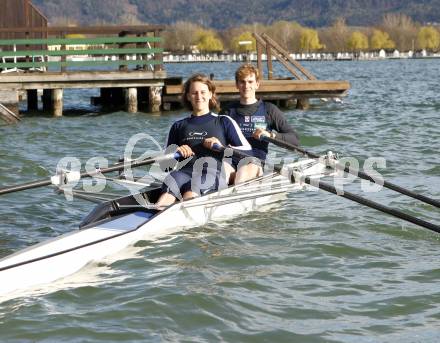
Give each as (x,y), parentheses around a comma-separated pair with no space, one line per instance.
(261,115)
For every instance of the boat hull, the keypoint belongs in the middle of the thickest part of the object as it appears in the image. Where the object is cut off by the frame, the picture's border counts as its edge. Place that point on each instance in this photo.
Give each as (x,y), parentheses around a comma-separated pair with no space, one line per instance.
(64,255)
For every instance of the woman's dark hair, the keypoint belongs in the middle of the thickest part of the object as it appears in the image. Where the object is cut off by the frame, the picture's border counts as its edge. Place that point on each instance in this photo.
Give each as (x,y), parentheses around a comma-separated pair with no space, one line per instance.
(213,103)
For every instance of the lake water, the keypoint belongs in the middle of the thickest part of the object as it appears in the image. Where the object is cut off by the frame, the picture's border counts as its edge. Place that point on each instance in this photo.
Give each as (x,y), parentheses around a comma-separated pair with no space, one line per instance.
(317,268)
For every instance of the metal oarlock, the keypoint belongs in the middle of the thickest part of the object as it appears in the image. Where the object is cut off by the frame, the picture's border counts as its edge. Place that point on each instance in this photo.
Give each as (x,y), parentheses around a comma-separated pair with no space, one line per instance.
(64,177)
(330,159)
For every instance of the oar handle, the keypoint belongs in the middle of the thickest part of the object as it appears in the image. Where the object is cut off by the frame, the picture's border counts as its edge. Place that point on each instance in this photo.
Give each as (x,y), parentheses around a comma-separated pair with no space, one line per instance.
(236,153)
(218,147)
(288,146)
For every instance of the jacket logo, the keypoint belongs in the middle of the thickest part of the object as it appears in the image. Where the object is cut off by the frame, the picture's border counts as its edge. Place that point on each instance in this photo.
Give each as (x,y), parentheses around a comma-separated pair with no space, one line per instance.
(200,134)
(258,119)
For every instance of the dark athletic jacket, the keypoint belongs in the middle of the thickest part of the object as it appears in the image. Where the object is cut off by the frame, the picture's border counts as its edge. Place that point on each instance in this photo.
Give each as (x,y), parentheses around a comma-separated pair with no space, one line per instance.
(193,130)
(261,115)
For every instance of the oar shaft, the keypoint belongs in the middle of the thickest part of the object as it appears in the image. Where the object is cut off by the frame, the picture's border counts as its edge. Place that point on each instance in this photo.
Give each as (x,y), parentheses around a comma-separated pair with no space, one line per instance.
(120,166)
(356,198)
(115,167)
(385,209)
(387,184)
(24,186)
(399,189)
(358,173)
(289,146)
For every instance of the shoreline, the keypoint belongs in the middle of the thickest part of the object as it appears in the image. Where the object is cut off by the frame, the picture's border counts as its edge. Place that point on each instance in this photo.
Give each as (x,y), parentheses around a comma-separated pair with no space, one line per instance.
(314,57)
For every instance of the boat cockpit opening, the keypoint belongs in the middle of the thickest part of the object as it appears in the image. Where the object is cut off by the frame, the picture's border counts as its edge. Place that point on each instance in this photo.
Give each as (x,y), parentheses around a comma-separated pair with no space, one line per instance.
(141,202)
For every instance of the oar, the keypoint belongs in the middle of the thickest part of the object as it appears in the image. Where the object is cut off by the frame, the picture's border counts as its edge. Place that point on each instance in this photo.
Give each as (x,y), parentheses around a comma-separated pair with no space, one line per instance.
(357,172)
(115,167)
(356,198)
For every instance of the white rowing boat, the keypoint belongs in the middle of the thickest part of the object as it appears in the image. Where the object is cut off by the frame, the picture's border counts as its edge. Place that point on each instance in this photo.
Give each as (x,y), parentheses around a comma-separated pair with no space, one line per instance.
(120,222)
(116,224)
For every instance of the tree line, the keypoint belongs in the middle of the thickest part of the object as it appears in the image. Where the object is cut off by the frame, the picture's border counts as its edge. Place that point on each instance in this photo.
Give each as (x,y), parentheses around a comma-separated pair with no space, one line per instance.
(224,14)
(396,31)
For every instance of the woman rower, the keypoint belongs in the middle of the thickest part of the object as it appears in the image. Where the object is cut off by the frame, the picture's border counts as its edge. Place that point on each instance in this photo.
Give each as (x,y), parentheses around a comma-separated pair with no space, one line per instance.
(194,137)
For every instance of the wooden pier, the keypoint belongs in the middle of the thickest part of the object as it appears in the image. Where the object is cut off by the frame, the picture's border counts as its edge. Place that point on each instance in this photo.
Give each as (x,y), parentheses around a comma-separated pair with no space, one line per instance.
(126,64)
(294,91)
(286,93)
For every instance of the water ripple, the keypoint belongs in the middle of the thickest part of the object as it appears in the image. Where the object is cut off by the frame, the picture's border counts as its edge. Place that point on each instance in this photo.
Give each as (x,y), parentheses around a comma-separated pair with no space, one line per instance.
(315,268)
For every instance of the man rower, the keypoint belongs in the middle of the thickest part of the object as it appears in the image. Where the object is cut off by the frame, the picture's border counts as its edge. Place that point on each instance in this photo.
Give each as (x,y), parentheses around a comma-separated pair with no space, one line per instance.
(256,118)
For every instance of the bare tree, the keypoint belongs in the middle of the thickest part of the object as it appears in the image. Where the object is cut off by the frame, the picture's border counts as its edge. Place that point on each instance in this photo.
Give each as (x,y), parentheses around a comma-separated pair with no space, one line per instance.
(402,30)
(130,15)
(335,37)
(286,33)
(181,36)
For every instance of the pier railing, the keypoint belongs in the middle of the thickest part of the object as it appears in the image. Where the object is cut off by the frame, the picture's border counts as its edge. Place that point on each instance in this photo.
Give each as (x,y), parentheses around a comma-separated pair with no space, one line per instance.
(140,50)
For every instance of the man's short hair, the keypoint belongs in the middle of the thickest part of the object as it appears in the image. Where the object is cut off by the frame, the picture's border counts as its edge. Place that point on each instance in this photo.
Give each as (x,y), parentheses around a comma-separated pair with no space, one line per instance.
(246,70)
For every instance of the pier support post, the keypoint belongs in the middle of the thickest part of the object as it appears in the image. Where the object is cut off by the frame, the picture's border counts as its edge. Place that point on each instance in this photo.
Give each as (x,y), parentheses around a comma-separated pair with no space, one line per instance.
(32,100)
(131,101)
(302,104)
(155,96)
(57,103)
(166,106)
(290,103)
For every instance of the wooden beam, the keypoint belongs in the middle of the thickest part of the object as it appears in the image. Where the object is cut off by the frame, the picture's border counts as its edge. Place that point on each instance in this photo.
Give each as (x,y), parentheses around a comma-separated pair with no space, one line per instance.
(79,85)
(282,55)
(269,62)
(287,65)
(286,54)
(7,115)
(81,76)
(280,86)
(82,79)
(259,59)
(53,30)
